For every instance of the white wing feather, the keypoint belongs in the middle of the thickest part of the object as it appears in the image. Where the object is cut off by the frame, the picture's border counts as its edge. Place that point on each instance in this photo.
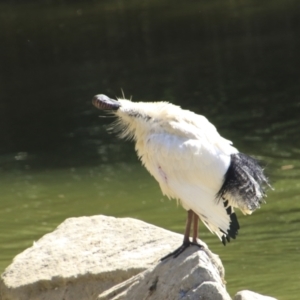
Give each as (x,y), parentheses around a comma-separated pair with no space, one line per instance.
(191,169)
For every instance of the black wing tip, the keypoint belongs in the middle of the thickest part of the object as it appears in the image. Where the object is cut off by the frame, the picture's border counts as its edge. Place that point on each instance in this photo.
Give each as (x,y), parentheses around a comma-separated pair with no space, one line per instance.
(233,230)
(234,226)
(256,167)
(224,240)
(238,185)
(235,177)
(244,182)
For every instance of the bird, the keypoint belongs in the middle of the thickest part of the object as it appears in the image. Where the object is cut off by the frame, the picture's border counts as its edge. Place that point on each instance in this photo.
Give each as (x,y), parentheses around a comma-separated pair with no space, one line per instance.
(192,163)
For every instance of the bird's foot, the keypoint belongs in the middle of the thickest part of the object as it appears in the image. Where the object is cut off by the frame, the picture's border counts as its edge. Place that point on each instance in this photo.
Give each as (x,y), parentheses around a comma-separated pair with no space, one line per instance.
(179,250)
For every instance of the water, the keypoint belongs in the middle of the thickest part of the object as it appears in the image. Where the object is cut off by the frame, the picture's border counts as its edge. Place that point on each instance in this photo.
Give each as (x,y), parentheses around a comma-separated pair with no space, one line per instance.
(234,62)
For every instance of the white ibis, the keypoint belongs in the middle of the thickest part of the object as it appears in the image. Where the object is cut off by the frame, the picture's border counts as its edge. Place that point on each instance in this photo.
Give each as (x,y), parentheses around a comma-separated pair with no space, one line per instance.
(192,163)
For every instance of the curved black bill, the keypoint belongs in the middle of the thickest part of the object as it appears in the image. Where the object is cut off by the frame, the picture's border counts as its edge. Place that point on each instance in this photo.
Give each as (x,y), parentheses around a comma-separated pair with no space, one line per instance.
(104,103)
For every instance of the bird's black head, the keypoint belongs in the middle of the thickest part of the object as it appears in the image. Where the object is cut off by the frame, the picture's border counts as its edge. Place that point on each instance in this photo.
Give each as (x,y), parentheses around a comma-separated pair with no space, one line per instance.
(104,103)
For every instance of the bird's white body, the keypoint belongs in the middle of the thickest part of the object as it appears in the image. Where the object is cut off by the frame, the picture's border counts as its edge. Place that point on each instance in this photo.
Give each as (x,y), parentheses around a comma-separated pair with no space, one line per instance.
(186,155)
(191,162)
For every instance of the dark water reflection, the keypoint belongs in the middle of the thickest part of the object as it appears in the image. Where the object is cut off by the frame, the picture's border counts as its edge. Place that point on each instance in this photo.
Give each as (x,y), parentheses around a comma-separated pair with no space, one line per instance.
(235,62)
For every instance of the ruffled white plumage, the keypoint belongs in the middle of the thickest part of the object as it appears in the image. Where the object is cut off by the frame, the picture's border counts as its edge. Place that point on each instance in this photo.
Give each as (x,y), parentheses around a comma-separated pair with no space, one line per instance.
(185,154)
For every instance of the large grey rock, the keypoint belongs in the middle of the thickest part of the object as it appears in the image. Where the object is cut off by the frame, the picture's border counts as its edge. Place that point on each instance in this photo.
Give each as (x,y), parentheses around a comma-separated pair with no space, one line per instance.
(195,274)
(117,258)
(248,295)
(85,256)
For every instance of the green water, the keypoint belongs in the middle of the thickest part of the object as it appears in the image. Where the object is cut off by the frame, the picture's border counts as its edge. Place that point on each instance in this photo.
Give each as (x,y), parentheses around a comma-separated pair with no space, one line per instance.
(235,62)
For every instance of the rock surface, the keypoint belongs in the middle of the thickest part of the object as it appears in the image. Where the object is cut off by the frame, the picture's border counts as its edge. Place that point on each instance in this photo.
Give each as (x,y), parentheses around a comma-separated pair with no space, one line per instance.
(248,295)
(195,274)
(103,257)
(85,256)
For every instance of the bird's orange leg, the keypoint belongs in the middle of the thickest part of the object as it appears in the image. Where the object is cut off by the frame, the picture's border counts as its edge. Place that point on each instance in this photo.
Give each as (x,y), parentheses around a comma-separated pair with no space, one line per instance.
(186,238)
